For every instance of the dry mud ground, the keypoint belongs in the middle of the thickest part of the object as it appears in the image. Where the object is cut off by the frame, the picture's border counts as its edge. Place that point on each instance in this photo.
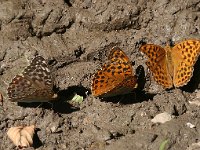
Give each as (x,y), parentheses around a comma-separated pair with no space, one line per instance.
(75,36)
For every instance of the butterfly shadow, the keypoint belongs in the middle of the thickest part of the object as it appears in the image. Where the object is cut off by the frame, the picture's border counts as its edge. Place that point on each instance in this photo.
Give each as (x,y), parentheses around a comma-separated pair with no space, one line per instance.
(37,142)
(65,96)
(194,82)
(61,105)
(57,106)
(136,96)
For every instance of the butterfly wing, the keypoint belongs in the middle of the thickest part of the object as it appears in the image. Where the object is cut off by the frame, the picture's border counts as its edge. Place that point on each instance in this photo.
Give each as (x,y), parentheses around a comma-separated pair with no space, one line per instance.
(124,87)
(39,73)
(115,77)
(117,55)
(109,82)
(189,51)
(20,88)
(157,63)
(34,85)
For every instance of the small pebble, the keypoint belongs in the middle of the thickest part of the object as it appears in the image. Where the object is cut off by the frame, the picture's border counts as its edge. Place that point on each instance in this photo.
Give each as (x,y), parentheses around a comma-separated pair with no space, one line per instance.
(188,124)
(195,102)
(53,129)
(194,146)
(162,118)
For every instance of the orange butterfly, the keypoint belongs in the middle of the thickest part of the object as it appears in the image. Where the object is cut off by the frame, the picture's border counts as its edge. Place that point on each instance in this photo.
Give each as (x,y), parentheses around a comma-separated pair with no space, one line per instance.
(172,66)
(116,77)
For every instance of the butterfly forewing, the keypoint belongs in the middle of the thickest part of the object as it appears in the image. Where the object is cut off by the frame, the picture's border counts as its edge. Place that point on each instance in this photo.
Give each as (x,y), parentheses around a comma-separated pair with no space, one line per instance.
(39,73)
(101,83)
(34,85)
(20,88)
(106,79)
(117,55)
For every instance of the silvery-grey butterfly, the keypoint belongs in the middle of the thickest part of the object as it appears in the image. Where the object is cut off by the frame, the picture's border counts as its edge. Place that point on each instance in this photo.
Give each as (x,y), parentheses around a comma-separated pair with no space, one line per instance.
(35,84)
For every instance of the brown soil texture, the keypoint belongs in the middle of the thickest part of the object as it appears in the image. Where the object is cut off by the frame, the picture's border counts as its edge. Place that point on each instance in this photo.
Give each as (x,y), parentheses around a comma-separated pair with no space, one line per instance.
(75,36)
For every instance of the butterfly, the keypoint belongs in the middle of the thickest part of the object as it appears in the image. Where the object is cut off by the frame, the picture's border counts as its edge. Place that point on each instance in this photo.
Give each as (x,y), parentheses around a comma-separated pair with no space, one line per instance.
(116,76)
(172,67)
(35,84)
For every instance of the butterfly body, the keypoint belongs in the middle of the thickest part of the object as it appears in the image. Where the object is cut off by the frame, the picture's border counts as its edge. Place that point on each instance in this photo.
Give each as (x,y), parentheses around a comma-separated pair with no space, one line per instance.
(116,76)
(35,84)
(170,62)
(172,67)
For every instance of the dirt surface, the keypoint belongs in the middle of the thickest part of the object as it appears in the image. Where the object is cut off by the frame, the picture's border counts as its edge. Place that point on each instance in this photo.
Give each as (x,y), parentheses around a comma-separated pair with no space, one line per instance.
(75,36)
